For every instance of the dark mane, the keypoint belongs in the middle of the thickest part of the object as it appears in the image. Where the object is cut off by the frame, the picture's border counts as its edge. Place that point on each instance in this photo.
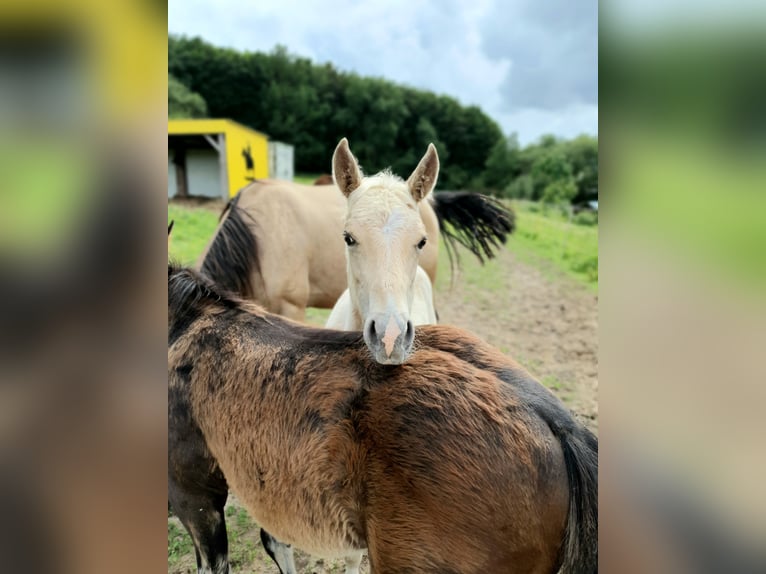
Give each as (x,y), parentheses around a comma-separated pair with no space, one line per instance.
(233,255)
(190,293)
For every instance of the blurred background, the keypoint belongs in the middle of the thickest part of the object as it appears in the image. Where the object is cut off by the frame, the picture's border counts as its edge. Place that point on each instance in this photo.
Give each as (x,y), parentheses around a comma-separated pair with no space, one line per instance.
(643,310)
(82,304)
(682,261)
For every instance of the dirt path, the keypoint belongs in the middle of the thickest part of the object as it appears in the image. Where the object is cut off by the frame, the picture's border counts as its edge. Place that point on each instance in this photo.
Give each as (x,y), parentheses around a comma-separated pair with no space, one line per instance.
(544,319)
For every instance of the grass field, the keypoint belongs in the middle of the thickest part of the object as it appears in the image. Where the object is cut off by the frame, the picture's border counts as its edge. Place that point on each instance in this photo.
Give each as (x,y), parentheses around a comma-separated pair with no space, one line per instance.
(570,247)
(306,178)
(193,228)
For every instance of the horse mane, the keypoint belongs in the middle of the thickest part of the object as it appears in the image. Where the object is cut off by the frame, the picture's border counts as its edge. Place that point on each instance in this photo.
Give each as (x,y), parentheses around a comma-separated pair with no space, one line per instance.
(190,292)
(385,178)
(479,223)
(233,255)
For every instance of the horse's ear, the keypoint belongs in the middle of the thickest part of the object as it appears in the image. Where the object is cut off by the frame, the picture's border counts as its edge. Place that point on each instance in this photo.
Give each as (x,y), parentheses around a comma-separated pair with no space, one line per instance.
(345,170)
(170,226)
(423,179)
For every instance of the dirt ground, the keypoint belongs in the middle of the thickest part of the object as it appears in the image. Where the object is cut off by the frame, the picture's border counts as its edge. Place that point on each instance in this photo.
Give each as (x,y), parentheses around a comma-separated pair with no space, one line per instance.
(544,319)
(538,315)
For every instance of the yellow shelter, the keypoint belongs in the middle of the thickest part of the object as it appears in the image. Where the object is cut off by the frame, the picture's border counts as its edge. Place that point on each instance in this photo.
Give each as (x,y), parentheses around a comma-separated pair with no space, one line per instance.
(214,158)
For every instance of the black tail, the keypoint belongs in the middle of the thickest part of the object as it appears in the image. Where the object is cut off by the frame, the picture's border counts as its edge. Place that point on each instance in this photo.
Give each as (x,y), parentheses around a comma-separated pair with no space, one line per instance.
(477,222)
(233,255)
(579,552)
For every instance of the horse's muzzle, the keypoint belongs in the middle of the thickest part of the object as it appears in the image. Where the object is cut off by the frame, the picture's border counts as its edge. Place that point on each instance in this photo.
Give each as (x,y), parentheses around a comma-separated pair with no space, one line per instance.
(389,338)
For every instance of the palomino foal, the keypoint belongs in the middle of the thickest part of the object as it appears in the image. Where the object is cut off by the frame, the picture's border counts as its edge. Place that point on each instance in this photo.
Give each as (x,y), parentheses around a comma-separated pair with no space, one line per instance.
(388,292)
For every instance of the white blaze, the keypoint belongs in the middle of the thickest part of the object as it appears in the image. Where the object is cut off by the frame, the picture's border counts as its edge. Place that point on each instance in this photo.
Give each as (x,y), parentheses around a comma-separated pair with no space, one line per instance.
(389,337)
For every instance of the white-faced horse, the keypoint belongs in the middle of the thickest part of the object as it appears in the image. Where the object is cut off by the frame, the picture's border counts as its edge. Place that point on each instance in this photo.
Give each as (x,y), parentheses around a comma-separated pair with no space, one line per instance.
(388,291)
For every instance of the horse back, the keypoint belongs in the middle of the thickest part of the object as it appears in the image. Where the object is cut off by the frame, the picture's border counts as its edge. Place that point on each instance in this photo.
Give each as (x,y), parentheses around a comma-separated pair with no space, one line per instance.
(449,443)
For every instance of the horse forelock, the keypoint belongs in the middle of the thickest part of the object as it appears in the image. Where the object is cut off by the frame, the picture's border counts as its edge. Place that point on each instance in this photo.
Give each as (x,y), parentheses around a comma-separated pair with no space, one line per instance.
(378,198)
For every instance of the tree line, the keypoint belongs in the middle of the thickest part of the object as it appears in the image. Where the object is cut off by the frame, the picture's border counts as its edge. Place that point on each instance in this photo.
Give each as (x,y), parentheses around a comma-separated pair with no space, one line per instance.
(313,106)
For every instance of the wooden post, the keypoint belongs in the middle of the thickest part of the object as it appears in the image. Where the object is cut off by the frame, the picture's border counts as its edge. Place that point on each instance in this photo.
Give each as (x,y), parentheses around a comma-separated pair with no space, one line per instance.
(219,145)
(224,166)
(179,160)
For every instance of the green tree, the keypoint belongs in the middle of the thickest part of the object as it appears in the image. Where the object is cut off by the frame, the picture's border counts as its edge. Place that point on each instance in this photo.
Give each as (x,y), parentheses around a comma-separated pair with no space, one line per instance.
(559,192)
(582,154)
(313,106)
(503,164)
(182,102)
(552,175)
(523,187)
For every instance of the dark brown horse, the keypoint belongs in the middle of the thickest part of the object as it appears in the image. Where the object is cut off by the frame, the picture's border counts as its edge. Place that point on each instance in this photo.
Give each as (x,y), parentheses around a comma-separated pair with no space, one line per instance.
(324,179)
(456,461)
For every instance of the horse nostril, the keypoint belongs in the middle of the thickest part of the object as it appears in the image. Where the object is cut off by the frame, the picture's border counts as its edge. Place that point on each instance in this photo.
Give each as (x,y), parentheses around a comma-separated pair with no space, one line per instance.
(370,329)
(410,332)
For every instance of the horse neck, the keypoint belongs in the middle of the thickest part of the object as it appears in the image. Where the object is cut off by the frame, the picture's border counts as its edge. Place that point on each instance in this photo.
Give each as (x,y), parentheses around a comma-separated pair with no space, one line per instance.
(355,321)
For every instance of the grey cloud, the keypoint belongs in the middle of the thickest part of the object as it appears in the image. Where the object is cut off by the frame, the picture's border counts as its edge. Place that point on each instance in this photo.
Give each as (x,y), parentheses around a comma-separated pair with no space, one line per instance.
(553,50)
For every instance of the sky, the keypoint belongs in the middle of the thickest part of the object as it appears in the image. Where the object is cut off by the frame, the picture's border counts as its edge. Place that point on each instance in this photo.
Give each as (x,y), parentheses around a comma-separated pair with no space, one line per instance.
(532,65)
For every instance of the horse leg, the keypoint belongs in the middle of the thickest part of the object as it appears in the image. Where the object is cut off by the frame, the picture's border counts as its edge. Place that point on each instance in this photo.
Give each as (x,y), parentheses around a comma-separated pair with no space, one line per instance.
(197,489)
(281,553)
(201,512)
(353,562)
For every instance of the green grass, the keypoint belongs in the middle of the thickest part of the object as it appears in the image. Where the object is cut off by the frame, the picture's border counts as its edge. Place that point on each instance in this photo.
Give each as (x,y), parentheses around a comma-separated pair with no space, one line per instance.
(546,240)
(193,228)
(550,236)
(179,543)
(317,316)
(243,533)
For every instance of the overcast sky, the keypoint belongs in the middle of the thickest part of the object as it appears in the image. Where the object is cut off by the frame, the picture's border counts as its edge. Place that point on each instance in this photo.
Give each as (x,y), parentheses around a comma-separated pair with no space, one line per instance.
(530,64)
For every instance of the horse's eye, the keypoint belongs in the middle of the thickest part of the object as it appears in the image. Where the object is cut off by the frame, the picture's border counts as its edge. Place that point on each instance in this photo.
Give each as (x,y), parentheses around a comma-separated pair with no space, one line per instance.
(422,243)
(348,239)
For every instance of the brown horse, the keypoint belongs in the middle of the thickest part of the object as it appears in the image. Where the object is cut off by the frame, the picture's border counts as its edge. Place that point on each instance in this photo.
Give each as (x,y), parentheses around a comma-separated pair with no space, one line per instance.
(281,243)
(456,461)
(324,179)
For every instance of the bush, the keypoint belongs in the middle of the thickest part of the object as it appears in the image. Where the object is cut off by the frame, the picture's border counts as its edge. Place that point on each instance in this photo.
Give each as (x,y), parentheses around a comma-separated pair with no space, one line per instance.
(586,217)
(559,191)
(182,102)
(587,265)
